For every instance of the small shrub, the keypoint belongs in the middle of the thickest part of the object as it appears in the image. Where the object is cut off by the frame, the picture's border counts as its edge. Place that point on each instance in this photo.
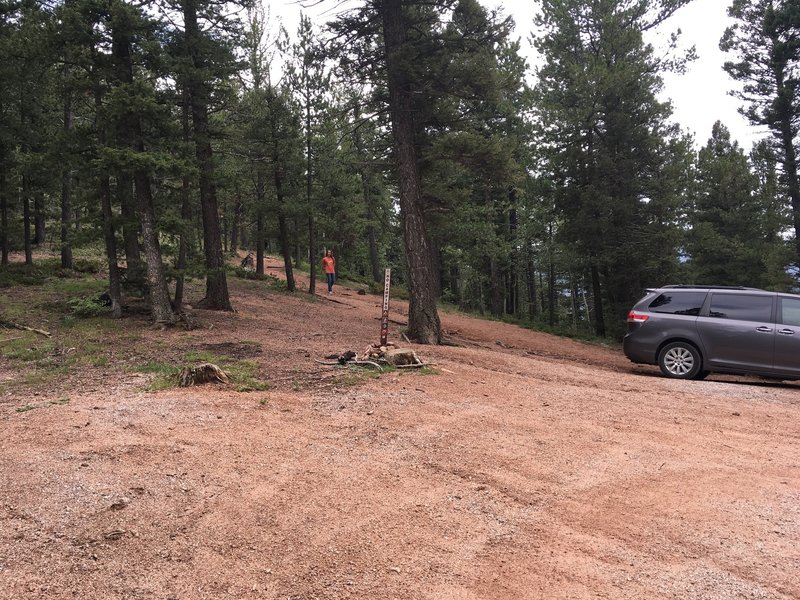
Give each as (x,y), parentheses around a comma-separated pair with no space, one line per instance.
(84,265)
(87,307)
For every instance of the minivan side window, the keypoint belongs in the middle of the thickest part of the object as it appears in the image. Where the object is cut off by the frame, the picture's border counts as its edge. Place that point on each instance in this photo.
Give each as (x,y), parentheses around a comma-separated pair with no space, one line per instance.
(790,312)
(679,303)
(741,307)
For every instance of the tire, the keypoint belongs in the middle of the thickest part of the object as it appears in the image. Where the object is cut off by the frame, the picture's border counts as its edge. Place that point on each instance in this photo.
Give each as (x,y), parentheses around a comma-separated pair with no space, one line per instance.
(680,360)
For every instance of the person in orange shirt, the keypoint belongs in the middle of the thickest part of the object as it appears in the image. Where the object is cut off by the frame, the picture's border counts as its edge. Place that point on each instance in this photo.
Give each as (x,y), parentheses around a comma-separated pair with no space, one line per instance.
(329,264)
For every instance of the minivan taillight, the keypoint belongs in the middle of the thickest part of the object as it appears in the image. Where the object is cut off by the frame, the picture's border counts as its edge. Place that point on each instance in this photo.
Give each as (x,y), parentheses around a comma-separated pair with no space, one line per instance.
(637,317)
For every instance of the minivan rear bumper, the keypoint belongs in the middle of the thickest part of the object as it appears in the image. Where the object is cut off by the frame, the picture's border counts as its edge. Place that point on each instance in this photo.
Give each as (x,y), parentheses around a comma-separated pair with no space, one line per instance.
(636,351)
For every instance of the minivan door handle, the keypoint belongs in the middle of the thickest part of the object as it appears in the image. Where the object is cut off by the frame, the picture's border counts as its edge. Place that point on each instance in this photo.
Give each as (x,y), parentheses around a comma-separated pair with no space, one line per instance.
(786,332)
(764,329)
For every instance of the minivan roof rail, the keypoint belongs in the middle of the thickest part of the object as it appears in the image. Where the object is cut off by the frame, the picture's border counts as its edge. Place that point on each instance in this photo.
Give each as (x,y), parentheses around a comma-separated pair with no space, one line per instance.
(711,287)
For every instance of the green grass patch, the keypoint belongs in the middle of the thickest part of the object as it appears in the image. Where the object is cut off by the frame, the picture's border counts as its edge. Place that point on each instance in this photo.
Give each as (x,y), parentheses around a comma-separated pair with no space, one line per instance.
(356,374)
(27,349)
(17,274)
(425,371)
(243,374)
(165,375)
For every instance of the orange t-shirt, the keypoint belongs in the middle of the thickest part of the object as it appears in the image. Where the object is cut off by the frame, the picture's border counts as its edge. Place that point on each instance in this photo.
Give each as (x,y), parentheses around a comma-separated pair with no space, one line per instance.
(329,264)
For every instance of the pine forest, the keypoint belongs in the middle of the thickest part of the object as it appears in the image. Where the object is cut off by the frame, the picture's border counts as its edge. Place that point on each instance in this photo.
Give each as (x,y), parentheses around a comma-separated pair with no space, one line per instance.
(176,136)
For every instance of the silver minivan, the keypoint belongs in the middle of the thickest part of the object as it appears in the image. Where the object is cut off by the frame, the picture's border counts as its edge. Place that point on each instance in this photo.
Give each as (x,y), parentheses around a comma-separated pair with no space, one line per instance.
(690,331)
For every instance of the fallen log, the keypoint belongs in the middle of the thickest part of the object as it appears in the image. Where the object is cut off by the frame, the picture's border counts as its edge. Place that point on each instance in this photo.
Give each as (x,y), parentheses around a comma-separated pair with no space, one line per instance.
(4,323)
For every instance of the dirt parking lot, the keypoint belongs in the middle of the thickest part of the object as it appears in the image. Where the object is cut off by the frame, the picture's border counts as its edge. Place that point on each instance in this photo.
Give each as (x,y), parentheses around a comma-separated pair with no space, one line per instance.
(527,466)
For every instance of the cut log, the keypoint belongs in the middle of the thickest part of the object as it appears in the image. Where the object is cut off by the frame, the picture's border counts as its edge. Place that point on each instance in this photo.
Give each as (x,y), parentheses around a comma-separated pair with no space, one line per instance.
(401,356)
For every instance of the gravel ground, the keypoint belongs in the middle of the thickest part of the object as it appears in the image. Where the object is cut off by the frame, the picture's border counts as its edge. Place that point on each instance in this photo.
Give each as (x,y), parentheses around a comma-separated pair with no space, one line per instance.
(526,466)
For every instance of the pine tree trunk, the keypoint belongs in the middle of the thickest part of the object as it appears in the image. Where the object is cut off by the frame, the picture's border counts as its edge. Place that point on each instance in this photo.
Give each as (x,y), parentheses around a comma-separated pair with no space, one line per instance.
(114,290)
(512,279)
(217,297)
(597,296)
(297,248)
(183,245)
(312,253)
(186,217)
(260,232)
(286,250)
(237,219)
(575,303)
(542,301)
(283,231)
(312,233)
(496,288)
(530,273)
(26,218)
(423,318)
(3,217)
(130,220)
(39,219)
(160,304)
(790,173)
(551,293)
(66,188)
(130,129)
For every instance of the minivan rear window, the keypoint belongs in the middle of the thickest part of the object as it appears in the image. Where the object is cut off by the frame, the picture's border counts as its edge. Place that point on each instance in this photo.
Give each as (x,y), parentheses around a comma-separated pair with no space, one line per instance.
(790,312)
(679,303)
(741,307)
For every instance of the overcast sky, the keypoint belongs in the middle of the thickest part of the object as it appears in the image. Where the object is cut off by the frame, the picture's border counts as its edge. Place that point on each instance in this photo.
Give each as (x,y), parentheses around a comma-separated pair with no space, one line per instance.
(700,96)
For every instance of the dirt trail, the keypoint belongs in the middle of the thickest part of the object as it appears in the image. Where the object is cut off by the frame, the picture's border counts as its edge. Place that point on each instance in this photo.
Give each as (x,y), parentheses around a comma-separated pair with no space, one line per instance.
(529,467)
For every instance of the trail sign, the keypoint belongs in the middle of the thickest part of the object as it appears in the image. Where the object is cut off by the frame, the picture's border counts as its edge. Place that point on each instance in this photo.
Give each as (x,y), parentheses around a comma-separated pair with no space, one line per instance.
(387,279)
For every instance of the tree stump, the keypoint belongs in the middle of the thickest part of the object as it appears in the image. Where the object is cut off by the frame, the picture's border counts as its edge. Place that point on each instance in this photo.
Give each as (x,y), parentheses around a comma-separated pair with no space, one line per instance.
(205,373)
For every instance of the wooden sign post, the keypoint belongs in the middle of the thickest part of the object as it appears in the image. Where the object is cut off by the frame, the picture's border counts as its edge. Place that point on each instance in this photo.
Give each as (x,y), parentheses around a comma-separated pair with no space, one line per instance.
(387,278)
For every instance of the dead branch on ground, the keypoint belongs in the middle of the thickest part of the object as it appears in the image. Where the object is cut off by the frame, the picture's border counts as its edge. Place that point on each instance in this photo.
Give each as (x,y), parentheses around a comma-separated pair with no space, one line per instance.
(4,323)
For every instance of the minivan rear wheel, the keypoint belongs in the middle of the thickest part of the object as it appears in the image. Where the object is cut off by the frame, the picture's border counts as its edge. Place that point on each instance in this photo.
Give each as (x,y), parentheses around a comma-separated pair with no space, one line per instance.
(680,360)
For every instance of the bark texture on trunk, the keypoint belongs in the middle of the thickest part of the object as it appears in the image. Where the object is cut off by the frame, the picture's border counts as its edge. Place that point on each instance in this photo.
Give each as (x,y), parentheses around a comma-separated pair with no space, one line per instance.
(160,303)
(423,318)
